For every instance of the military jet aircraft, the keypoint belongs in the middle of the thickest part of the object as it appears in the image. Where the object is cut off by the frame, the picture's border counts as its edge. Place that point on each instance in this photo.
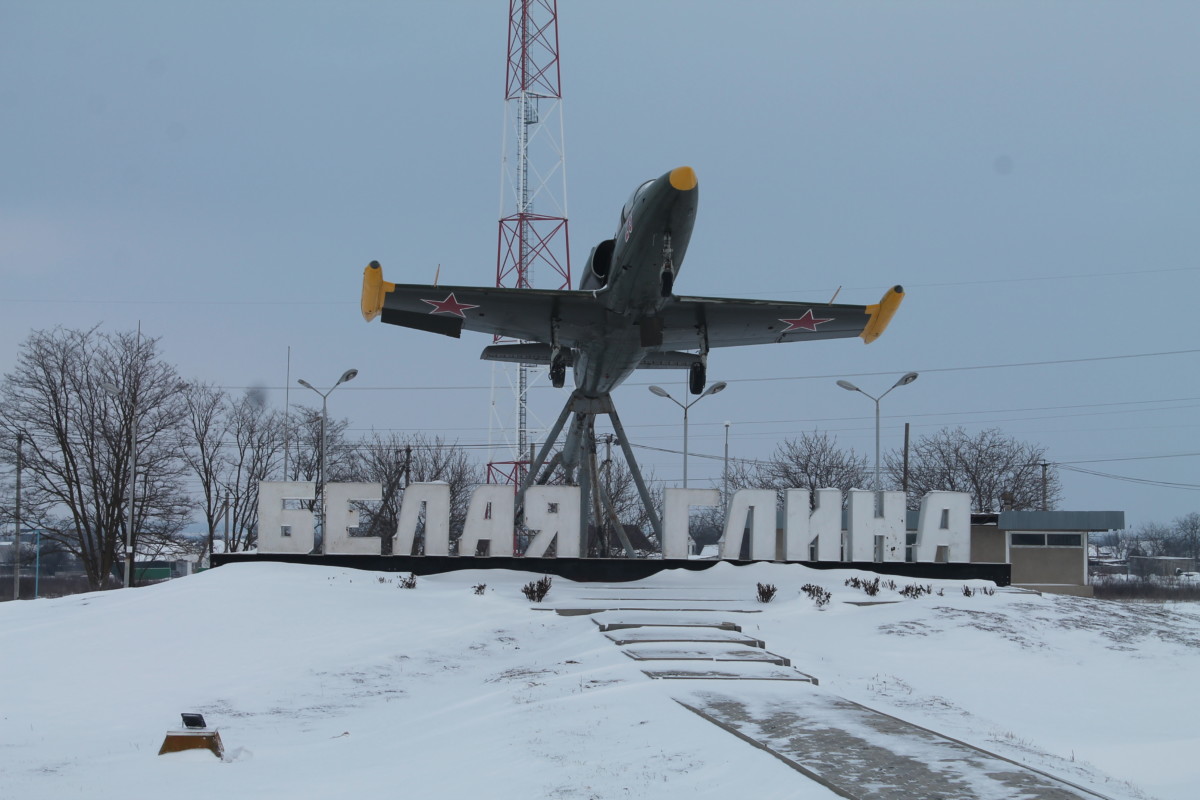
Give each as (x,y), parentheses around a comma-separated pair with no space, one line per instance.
(624,316)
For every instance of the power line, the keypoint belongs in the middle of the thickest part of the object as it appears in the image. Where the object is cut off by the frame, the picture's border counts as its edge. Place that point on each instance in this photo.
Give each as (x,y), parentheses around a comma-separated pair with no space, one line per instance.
(969,368)
(1129,479)
(1128,458)
(784,377)
(993,281)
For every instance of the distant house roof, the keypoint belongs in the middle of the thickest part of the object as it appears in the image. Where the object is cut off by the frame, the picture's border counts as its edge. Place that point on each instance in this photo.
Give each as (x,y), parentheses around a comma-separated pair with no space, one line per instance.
(1062,520)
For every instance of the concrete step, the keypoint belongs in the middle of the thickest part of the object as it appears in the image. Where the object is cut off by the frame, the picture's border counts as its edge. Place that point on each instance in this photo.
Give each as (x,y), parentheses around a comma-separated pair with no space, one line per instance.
(702,651)
(725,671)
(861,753)
(666,633)
(641,618)
(594,606)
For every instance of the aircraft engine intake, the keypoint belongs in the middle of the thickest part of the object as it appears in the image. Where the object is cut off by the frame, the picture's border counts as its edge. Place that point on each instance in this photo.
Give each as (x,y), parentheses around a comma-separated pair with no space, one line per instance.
(599,265)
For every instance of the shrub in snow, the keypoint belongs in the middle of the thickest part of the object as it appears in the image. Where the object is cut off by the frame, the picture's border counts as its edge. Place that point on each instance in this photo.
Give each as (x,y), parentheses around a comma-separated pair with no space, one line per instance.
(536,592)
(410,582)
(818,595)
(480,589)
(766,592)
(914,590)
(870,587)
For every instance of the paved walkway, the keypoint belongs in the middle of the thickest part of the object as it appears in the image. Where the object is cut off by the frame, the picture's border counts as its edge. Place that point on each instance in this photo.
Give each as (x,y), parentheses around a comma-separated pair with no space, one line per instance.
(735,682)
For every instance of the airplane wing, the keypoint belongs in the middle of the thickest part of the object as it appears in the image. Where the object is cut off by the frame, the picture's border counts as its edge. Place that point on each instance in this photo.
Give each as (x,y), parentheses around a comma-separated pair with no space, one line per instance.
(528,314)
(728,322)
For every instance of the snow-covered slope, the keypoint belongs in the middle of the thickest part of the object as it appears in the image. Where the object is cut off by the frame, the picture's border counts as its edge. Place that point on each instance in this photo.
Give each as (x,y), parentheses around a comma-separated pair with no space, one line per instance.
(326,681)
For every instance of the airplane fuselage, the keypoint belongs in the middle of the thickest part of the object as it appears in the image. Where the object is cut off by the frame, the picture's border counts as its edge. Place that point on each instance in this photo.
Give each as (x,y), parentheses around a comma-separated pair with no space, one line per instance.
(633,274)
(623,316)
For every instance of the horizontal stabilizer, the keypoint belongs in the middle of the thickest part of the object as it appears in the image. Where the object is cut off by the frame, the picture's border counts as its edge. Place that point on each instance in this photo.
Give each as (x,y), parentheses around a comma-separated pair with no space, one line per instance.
(526,353)
(447,326)
(669,359)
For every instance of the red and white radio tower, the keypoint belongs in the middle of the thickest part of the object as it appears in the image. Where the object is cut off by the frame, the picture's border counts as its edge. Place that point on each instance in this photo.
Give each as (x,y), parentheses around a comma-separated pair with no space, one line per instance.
(533,202)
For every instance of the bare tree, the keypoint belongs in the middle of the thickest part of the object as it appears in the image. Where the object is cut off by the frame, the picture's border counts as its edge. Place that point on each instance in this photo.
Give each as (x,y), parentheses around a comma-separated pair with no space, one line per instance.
(87,402)
(201,437)
(253,454)
(231,446)
(1187,535)
(305,437)
(813,461)
(395,461)
(995,469)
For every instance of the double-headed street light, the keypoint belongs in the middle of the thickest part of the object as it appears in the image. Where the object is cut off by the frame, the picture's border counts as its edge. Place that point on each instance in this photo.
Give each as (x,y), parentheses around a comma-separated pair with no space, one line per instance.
(661,392)
(348,375)
(905,380)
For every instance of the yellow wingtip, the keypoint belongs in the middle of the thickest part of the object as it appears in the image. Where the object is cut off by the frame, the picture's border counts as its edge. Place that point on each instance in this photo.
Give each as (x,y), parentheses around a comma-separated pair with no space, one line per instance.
(881,314)
(374,288)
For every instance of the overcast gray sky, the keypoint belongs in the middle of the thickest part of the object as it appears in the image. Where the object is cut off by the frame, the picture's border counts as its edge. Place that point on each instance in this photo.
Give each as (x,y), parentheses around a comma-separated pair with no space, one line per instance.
(222,171)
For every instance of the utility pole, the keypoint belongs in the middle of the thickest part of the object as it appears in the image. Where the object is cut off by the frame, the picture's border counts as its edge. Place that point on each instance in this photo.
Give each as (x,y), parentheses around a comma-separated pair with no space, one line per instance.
(904,479)
(1045,480)
(725,473)
(212,533)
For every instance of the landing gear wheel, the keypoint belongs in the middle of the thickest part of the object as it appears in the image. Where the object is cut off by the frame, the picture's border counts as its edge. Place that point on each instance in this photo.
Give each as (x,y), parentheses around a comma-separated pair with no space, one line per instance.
(697,377)
(558,373)
(668,282)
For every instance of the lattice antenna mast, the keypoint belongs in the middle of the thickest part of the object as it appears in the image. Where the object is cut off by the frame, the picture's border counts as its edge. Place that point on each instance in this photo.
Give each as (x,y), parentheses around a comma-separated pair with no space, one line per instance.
(533,176)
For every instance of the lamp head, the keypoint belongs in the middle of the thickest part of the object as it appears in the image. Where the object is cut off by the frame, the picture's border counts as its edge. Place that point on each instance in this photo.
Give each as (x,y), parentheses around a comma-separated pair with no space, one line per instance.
(348,375)
(306,384)
(848,386)
(716,387)
(907,378)
(658,390)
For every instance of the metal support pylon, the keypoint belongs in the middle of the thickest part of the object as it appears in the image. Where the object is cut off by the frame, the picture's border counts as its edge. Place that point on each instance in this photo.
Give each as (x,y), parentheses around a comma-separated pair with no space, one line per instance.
(589,408)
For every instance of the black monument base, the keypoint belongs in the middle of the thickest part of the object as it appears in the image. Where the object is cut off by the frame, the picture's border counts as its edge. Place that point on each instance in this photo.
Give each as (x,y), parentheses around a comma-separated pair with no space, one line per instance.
(604,570)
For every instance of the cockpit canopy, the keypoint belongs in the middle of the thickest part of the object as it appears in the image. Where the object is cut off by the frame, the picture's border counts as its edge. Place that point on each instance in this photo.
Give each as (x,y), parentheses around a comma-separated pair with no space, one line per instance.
(632,198)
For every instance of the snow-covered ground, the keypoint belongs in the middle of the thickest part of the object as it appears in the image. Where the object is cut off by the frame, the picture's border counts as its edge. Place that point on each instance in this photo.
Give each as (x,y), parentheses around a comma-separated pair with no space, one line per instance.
(327,681)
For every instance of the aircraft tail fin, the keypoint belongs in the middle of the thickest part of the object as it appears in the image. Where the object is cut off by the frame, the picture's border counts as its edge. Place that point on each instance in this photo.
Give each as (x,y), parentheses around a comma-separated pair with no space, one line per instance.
(881,314)
(373,289)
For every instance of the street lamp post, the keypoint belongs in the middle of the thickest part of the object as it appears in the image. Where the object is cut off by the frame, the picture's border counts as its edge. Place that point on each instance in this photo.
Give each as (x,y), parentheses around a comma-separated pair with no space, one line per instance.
(112,389)
(348,375)
(725,470)
(661,392)
(904,380)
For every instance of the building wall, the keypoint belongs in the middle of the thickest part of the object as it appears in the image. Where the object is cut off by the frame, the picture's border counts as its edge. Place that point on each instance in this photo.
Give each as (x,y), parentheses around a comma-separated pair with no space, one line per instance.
(1048,565)
(989,545)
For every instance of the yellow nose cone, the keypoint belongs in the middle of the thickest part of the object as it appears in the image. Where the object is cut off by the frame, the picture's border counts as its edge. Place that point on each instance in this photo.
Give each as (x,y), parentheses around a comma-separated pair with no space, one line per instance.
(683,179)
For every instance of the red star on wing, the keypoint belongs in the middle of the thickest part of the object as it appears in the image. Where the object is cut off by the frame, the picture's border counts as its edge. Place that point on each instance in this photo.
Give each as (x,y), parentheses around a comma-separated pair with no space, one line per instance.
(449,306)
(805,323)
